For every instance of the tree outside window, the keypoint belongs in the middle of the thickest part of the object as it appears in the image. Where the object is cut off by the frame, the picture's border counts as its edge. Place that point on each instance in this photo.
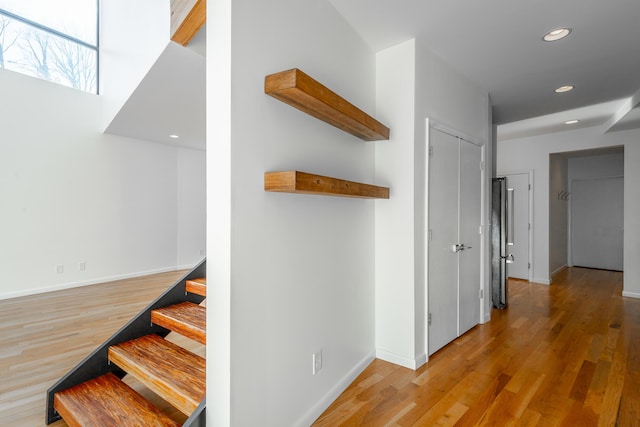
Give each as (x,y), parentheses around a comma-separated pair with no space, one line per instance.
(61,47)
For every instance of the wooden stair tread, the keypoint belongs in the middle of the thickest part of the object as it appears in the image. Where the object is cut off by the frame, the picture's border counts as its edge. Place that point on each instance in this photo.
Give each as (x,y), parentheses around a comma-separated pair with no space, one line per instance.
(197,286)
(185,318)
(107,401)
(175,374)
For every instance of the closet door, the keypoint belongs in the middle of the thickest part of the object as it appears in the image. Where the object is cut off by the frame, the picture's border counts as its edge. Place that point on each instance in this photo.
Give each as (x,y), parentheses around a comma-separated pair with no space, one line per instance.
(443,235)
(469,214)
(455,184)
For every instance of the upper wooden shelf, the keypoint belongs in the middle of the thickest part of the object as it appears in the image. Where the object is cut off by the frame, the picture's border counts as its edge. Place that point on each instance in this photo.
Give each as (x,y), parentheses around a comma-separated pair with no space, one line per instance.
(306,94)
(307,183)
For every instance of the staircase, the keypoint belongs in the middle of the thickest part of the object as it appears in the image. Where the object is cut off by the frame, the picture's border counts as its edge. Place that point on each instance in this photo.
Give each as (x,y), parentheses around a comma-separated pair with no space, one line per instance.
(93,394)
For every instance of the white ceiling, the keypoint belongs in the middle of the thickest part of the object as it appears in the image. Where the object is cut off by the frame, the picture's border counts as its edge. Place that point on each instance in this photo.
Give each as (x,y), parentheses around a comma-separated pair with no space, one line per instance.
(498,44)
(495,43)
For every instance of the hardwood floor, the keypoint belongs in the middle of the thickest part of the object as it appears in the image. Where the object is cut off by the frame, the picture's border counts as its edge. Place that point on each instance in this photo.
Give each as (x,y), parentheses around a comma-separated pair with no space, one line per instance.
(43,336)
(560,355)
(564,355)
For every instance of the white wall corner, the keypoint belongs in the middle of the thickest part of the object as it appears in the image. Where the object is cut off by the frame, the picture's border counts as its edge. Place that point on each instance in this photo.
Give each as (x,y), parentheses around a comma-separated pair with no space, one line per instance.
(401,360)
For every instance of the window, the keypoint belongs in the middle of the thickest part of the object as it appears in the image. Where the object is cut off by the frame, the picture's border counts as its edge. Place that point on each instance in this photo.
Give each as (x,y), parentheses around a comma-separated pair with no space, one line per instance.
(52,40)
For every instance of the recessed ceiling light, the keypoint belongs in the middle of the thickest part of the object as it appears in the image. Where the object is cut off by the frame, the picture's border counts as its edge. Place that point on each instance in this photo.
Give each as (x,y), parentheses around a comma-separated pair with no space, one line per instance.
(571,122)
(174,136)
(556,34)
(563,89)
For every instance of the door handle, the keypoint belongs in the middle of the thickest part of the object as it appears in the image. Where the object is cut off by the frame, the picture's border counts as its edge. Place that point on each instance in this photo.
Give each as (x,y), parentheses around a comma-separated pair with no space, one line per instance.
(460,247)
(508,258)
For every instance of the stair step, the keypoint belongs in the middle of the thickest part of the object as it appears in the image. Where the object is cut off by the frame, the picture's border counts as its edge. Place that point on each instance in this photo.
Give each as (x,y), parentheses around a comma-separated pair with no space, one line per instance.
(175,374)
(107,401)
(185,318)
(197,286)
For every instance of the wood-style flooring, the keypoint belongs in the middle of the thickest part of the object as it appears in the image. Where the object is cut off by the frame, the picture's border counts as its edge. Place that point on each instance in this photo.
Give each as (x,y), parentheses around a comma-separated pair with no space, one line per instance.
(44,336)
(561,355)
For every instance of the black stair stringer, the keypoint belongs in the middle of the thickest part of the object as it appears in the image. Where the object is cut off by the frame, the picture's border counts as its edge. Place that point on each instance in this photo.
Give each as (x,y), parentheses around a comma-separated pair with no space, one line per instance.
(97,363)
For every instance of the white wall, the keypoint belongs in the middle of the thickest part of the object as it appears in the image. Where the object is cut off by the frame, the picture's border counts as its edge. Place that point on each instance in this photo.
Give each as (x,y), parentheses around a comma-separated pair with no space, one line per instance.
(412,85)
(191,207)
(297,271)
(594,166)
(533,153)
(631,214)
(133,34)
(395,218)
(588,167)
(71,194)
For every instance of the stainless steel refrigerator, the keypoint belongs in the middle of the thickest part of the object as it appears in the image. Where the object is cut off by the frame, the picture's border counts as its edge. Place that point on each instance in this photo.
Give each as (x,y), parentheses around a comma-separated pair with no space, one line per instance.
(501,239)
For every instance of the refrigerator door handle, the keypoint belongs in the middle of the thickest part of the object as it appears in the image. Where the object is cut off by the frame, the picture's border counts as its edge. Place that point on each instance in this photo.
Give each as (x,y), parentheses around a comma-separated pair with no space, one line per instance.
(510,216)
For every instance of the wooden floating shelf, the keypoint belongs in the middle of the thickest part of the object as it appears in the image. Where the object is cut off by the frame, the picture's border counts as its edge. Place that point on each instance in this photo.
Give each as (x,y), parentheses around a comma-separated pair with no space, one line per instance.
(297,89)
(307,183)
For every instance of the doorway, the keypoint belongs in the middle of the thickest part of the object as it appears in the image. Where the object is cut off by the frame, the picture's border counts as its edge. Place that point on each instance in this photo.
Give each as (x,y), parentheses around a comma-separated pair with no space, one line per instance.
(586,209)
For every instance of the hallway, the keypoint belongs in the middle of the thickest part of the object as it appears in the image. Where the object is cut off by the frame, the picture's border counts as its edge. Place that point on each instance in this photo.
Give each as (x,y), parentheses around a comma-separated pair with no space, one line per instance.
(566,354)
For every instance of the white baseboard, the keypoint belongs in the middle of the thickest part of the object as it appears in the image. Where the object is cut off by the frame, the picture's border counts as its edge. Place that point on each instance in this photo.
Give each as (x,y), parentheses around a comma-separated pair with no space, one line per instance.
(186,267)
(312,414)
(558,270)
(630,294)
(541,281)
(401,360)
(487,318)
(71,285)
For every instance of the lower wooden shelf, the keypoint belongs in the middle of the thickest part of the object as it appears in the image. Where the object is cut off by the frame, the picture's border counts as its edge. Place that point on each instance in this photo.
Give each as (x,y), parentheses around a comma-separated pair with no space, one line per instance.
(307,183)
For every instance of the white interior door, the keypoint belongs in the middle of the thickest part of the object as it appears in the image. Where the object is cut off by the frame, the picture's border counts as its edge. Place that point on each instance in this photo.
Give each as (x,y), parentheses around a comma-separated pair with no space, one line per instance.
(455,188)
(519,242)
(597,223)
(469,214)
(443,234)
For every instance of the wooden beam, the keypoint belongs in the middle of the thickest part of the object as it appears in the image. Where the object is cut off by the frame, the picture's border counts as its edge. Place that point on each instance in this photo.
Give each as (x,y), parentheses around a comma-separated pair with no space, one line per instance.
(187,17)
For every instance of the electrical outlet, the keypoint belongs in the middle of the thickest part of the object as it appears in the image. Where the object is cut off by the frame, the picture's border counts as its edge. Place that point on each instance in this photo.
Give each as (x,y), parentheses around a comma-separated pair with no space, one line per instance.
(82,266)
(317,361)
(59,269)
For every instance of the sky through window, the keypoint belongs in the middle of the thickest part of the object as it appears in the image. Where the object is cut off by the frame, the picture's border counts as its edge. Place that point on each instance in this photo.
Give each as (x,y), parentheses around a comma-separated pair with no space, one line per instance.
(33,50)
